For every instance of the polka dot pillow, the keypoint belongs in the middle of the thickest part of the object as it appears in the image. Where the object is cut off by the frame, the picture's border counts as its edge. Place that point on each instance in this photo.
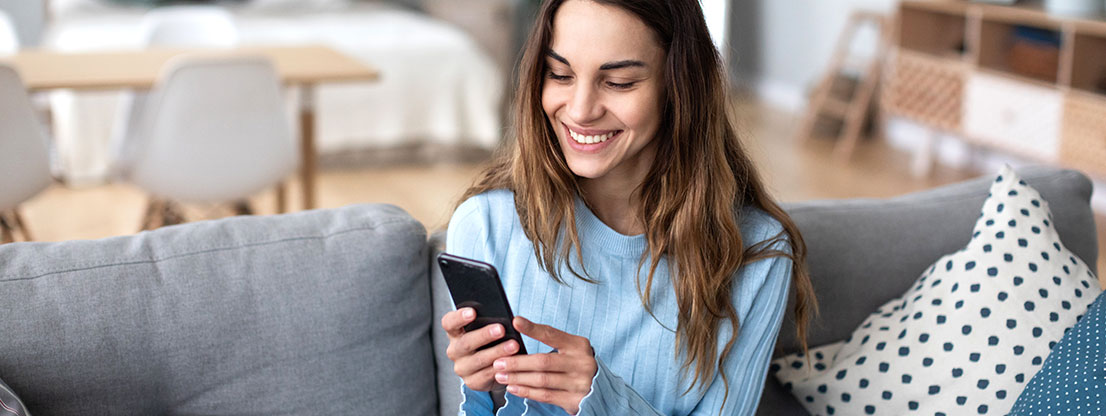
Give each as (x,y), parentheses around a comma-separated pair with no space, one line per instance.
(969,334)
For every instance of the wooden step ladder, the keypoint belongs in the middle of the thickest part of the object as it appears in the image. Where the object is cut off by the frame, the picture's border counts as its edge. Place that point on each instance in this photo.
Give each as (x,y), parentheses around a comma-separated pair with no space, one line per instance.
(853,110)
(12,226)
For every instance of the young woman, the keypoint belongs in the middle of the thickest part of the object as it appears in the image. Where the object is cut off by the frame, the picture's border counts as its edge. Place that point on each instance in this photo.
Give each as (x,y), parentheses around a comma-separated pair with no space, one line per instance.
(647,265)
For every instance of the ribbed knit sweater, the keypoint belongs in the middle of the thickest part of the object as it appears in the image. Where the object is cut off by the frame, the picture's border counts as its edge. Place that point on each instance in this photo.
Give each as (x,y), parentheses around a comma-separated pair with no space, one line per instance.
(639,367)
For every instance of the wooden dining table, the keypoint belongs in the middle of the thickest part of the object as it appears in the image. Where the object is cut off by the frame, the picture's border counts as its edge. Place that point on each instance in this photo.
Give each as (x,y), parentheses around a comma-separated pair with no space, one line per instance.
(300,67)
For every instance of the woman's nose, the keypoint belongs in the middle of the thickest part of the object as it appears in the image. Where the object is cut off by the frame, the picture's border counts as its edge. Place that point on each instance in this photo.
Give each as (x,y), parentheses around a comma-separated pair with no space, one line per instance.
(585,105)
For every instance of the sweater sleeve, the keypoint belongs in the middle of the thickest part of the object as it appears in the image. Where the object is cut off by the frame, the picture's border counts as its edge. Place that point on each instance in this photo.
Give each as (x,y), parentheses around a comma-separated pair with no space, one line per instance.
(745,367)
(467,236)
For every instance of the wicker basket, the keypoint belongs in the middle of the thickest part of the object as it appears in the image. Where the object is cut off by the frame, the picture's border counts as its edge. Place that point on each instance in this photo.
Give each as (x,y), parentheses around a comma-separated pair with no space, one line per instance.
(1083,141)
(926,89)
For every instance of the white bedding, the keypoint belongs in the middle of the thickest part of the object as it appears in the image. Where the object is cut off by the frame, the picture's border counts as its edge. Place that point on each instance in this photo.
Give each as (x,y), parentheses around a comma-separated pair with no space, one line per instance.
(436,85)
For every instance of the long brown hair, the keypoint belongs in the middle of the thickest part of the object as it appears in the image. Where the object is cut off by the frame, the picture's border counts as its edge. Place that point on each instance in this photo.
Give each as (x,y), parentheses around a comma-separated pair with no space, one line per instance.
(690,199)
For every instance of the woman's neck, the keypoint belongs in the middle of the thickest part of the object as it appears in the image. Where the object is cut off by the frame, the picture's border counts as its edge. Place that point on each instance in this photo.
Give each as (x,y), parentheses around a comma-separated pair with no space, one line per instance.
(614,202)
(615,197)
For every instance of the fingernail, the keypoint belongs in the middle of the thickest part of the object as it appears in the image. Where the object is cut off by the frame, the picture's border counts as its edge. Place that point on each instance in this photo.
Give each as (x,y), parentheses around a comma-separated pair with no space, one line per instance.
(509,346)
(500,365)
(468,313)
(497,330)
(512,389)
(501,378)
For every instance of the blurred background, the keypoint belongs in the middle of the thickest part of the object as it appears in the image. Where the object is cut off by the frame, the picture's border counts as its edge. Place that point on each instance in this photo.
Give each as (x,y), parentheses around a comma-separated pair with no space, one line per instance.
(835,99)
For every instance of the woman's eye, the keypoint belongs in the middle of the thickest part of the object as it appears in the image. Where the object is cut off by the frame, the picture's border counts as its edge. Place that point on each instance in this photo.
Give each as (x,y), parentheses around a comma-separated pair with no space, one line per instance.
(557,77)
(620,85)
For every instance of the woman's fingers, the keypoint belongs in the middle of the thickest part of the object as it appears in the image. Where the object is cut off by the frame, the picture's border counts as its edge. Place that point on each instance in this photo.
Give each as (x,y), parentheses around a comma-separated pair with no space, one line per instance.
(552,362)
(549,381)
(548,335)
(567,400)
(553,337)
(469,342)
(473,366)
(556,378)
(476,370)
(482,360)
(453,322)
(483,380)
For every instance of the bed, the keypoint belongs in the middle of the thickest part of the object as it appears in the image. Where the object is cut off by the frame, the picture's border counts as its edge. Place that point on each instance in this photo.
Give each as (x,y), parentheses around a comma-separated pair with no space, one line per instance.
(437,85)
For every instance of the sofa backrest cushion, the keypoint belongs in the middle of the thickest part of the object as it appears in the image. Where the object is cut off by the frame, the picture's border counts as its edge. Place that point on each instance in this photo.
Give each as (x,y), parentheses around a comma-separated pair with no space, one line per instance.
(863,252)
(318,312)
(449,385)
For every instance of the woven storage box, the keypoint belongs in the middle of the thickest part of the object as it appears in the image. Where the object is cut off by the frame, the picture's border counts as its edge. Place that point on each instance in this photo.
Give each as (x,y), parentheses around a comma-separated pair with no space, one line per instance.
(1012,115)
(926,89)
(1083,141)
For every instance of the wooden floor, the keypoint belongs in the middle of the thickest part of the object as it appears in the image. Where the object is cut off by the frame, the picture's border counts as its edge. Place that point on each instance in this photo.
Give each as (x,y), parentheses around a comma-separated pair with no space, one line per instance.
(794,171)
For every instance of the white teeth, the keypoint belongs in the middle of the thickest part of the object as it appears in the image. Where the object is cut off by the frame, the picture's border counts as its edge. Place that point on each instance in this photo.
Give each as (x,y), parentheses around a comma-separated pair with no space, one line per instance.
(590,139)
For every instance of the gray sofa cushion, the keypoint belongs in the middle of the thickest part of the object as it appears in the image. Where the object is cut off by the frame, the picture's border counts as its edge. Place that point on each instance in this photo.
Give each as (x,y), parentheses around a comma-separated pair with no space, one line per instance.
(865,252)
(319,312)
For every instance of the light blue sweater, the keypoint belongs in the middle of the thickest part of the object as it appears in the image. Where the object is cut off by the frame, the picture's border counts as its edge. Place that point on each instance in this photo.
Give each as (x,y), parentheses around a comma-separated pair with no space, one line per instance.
(639,369)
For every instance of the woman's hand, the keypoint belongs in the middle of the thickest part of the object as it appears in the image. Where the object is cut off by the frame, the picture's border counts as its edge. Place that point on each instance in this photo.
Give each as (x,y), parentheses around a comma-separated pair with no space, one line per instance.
(560,378)
(474,367)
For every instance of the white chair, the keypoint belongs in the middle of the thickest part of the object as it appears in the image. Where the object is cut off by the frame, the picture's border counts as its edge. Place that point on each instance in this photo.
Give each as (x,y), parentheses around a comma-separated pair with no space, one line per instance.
(215,130)
(89,127)
(184,26)
(174,27)
(24,154)
(9,40)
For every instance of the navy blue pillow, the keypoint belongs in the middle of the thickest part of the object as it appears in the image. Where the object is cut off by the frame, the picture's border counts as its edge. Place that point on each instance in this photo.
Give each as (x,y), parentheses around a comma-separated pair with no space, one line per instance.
(9,402)
(1073,379)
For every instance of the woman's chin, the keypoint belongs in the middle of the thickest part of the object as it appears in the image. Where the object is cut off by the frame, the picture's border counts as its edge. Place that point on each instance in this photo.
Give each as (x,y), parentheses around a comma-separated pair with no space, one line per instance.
(587,170)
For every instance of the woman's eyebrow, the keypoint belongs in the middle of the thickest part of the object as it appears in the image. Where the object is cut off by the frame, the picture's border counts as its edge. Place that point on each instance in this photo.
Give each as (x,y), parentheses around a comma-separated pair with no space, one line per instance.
(627,63)
(559,58)
(621,64)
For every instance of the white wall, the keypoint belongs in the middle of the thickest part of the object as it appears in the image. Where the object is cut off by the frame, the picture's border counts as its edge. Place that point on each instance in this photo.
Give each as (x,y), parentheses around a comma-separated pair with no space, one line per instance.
(783,46)
(28,17)
(716,13)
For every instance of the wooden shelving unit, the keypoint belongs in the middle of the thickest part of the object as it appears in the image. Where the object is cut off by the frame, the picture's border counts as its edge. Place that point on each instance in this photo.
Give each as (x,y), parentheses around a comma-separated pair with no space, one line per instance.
(1088,72)
(939,32)
(1012,78)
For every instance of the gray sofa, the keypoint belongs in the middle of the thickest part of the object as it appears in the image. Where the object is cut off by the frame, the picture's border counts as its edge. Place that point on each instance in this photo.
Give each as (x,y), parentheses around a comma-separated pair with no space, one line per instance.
(335,311)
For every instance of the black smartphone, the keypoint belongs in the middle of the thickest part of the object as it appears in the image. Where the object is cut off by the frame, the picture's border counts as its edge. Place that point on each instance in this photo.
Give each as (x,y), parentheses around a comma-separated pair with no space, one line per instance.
(475,284)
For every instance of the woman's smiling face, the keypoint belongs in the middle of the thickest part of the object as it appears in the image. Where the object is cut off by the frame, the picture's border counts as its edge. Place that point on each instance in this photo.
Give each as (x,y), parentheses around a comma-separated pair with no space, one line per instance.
(603,89)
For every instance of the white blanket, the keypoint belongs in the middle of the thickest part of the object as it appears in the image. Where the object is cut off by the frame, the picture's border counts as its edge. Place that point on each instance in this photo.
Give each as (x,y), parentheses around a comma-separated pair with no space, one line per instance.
(436,85)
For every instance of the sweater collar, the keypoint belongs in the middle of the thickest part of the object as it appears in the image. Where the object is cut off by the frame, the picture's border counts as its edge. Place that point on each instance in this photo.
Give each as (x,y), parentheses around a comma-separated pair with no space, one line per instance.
(597,236)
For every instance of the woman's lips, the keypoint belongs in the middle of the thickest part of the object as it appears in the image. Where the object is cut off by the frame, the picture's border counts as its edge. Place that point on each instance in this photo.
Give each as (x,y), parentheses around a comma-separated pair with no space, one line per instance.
(589,141)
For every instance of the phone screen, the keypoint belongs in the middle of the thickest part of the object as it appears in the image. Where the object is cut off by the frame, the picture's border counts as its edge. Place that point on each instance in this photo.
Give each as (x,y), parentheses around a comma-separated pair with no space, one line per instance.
(476,284)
